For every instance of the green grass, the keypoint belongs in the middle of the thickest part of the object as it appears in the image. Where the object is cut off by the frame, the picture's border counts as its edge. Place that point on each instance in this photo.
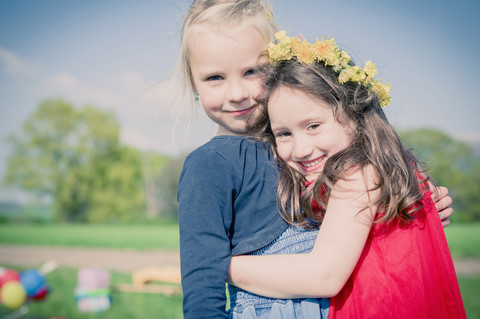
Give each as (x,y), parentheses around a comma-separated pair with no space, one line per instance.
(155,236)
(464,240)
(470,289)
(61,302)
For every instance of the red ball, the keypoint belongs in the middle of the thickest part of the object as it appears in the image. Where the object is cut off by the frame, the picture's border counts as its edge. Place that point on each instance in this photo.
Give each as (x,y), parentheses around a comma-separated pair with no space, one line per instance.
(7,275)
(41,294)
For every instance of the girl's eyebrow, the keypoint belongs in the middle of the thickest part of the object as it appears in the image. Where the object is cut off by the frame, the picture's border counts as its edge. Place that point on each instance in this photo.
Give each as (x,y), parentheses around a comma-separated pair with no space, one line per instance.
(209,71)
(277,128)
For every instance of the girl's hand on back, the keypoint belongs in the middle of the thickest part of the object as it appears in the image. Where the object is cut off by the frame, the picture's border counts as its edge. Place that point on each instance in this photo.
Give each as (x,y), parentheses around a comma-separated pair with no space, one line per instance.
(442,203)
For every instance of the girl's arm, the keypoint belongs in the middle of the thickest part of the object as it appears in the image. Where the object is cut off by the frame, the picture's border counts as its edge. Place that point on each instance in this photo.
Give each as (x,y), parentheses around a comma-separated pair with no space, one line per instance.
(324,271)
(204,246)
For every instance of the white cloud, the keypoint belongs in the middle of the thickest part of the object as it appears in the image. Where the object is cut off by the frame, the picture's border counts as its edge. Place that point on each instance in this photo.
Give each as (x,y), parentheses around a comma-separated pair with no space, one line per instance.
(132,82)
(142,106)
(66,85)
(127,93)
(145,123)
(143,95)
(134,137)
(62,79)
(15,65)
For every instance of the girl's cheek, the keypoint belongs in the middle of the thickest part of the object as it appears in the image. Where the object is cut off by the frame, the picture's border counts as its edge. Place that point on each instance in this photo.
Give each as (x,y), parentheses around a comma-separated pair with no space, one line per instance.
(259,88)
(283,153)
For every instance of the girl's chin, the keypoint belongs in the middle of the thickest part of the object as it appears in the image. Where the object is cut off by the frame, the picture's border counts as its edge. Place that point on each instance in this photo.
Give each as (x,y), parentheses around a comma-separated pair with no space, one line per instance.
(312,177)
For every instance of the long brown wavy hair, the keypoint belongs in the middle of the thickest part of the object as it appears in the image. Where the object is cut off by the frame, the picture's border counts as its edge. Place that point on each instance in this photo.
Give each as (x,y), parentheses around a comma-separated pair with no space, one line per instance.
(374,142)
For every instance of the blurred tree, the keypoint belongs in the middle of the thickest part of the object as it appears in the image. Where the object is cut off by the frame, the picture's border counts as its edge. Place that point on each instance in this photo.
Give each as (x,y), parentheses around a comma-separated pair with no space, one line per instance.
(65,153)
(452,163)
(153,166)
(169,185)
(161,174)
(119,194)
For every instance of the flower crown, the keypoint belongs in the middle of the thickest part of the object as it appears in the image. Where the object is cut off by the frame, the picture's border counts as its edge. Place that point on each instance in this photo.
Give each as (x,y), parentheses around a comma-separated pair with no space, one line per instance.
(327,52)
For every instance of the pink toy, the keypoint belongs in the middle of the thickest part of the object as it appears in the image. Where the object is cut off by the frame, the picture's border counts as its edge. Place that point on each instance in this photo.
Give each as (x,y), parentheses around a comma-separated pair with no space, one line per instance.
(93,278)
(92,293)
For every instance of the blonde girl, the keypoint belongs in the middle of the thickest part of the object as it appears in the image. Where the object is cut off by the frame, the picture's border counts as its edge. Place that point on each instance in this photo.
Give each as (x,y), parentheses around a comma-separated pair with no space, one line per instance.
(227,188)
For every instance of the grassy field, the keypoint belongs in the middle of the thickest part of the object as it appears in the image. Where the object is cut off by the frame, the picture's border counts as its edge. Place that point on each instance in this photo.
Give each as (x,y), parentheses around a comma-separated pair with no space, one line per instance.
(140,237)
(464,240)
(61,303)
(470,289)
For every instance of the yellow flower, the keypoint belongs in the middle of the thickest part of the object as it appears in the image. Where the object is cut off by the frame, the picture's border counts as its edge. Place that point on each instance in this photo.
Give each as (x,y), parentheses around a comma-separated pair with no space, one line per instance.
(303,52)
(295,42)
(358,74)
(280,51)
(345,57)
(370,70)
(382,91)
(325,50)
(345,75)
(280,35)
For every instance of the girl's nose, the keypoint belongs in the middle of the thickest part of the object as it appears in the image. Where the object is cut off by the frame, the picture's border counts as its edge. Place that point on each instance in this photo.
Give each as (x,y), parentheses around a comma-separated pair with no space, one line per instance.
(237,91)
(302,148)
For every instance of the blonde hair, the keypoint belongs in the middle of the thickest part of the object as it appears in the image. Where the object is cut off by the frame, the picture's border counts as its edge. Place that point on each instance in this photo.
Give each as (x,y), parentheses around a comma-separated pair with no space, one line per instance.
(217,13)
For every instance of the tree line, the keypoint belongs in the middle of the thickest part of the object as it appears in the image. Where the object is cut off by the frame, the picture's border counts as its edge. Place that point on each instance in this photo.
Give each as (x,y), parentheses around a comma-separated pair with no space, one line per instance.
(74,157)
(451,163)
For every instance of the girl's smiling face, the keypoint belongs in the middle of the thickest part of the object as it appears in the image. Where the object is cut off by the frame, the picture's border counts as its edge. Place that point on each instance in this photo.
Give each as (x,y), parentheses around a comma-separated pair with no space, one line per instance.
(306,131)
(223,63)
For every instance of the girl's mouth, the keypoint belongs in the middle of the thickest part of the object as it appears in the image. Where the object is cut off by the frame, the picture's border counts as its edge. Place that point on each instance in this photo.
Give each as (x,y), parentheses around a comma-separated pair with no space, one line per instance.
(242,112)
(313,165)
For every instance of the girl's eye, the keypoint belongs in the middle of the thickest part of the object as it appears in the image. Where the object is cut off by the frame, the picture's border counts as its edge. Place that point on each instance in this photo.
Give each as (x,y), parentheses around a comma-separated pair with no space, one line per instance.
(282,134)
(313,126)
(214,78)
(251,72)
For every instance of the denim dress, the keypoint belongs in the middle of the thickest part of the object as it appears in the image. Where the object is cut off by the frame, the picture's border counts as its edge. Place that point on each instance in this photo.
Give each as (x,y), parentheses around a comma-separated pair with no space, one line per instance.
(245,305)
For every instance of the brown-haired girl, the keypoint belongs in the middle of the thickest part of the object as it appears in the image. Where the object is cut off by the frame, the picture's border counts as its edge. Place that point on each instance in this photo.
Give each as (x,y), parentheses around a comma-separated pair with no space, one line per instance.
(381,250)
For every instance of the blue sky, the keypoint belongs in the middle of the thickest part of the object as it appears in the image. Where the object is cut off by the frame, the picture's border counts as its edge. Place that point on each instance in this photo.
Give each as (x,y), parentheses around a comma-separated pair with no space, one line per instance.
(110,52)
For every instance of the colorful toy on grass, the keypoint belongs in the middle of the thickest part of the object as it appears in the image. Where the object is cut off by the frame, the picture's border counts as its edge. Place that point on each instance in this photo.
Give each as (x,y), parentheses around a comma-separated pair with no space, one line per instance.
(13,295)
(7,275)
(92,293)
(170,274)
(160,279)
(17,288)
(34,283)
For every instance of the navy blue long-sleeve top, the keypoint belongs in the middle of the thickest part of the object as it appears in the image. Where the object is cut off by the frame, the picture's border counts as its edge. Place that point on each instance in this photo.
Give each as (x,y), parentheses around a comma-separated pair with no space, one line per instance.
(227,206)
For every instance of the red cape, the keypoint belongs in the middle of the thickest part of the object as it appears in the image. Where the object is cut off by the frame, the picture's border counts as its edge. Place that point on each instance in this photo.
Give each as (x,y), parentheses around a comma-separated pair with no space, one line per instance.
(405,271)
